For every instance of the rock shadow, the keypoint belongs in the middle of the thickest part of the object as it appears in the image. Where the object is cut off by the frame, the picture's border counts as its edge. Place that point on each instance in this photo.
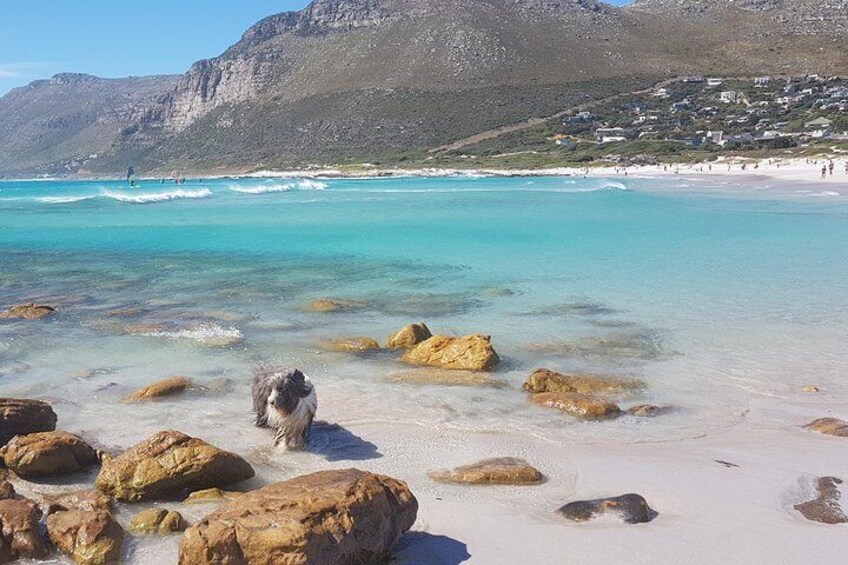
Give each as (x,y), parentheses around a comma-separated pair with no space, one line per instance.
(423,548)
(337,443)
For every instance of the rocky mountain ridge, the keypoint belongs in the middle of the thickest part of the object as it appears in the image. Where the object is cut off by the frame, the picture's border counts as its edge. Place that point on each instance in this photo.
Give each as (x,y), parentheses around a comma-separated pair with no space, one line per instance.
(354,79)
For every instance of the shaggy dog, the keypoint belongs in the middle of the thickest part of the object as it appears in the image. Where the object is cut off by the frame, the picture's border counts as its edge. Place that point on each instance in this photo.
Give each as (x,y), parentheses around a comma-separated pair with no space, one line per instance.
(285,400)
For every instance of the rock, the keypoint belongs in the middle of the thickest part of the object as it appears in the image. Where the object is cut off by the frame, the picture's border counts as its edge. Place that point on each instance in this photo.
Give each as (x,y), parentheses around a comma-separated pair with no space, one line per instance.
(825,507)
(28,312)
(20,531)
(471,353)
(829,426)
(20,417)
(501,471)
(409,336)
(444,377)
(47,454)
(330,305)
(629,508)
(344,517)
(543,380)
(578,405)
(7,490)
(648,410)
(211,495)
(165,387)
(168,465)
(497,292)
(810,389)
(88,537)
(157,520)
(125,312)
(82,500)
(352,345)
(146,328)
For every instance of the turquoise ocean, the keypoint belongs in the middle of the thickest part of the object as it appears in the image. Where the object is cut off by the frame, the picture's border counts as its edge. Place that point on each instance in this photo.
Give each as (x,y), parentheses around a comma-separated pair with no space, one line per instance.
(725,297)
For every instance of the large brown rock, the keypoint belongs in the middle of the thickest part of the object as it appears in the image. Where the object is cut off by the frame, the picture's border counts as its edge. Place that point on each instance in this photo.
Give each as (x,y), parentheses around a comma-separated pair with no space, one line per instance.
(629,508)
(169,464)
(470,353)
(21,417)
(343,517)
(28,312)
(825,508)
(88,537)
(46,454)
(20,532)
(578,405)
(544,380)
(501,471)
(157,521)
(165,387)
(409,336)
(829,426)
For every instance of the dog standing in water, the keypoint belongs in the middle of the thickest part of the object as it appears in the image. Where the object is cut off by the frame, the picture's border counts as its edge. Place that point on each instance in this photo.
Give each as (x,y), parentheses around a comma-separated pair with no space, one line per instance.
(285,400)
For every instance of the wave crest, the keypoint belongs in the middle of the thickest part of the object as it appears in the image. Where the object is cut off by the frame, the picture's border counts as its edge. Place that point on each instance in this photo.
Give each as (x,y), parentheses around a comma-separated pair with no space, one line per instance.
(150,197)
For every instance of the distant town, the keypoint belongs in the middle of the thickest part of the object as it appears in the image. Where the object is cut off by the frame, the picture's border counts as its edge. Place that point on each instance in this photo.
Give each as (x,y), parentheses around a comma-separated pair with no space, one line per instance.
(713,115)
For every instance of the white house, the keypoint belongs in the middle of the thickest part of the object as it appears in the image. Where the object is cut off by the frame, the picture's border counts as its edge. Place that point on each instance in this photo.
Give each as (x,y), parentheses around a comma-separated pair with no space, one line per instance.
(714,82)
(728,96)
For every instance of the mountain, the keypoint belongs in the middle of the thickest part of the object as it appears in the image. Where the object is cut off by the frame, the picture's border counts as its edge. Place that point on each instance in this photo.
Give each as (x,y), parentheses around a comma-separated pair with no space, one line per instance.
(381,79)
(60,122)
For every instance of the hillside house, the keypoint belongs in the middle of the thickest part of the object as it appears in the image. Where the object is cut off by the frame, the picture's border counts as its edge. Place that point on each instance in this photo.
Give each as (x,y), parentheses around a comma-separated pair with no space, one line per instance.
(729,96)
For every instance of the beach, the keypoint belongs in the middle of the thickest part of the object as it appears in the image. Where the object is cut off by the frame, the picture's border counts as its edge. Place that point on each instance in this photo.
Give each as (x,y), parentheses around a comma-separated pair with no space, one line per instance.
(722,292)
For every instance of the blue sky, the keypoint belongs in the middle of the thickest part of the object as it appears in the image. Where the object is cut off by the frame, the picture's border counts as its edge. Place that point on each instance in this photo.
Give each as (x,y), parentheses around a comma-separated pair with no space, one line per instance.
(115,38)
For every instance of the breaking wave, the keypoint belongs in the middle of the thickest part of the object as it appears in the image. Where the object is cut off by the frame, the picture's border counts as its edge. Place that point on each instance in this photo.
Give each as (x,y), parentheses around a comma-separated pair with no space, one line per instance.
(63,199)
(211,335)
(263,189)
(150,197)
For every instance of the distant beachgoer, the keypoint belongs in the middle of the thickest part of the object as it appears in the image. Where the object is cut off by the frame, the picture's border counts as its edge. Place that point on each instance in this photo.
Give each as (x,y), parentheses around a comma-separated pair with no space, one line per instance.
(711,167)
(824,172)
(830,166)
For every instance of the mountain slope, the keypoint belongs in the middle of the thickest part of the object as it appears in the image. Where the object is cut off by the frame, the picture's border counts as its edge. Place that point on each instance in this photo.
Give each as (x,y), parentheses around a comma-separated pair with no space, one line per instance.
(365,79)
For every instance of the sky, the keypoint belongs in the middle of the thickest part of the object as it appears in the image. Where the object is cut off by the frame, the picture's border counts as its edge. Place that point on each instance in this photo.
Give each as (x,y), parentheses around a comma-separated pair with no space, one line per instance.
(117,38)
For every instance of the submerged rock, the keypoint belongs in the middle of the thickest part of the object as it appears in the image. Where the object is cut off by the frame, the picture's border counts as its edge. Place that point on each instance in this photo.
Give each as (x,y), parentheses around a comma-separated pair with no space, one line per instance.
(829,426)
(352,345)
(470,353)
(544,380)
(344,517)
(331,305)
(28,312)
(211,495)
(825,508)
(165,387)
(501,471)
(578,405)
(88,537)
(648,410)
(46,454)
(620,346)
(21,417)
(444,377)
(409,336)
(20,531)
(157,521)
(629,508)
(168,465)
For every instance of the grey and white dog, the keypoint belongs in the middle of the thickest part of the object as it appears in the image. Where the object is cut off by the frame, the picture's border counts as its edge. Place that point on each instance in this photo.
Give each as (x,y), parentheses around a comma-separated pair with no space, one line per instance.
(285,400)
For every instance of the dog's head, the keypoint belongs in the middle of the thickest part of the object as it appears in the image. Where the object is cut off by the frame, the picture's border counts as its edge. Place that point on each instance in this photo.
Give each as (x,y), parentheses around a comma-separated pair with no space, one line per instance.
(281,389)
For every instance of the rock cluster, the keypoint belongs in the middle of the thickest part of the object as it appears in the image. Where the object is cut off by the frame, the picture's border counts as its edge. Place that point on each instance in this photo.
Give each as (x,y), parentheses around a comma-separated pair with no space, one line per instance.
(84,529)
(45,454)
(157,521)
(28,312)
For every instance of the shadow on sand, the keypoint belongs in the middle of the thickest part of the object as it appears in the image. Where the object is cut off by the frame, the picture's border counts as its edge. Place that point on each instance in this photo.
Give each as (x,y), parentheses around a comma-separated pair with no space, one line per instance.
(339,444)
(422,548)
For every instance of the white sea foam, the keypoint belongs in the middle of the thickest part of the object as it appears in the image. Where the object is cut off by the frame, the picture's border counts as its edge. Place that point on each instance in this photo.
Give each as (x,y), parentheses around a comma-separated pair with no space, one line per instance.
(310,184)
(63,199)
(262,189)
(150,197)
(211,335)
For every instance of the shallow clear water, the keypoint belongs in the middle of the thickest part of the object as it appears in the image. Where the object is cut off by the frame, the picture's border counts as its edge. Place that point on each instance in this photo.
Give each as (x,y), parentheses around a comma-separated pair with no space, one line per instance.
(717,296)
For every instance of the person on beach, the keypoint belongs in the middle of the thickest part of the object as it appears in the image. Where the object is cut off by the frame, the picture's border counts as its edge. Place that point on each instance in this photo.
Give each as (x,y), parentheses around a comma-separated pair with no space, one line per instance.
(824,172)
(830,166)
